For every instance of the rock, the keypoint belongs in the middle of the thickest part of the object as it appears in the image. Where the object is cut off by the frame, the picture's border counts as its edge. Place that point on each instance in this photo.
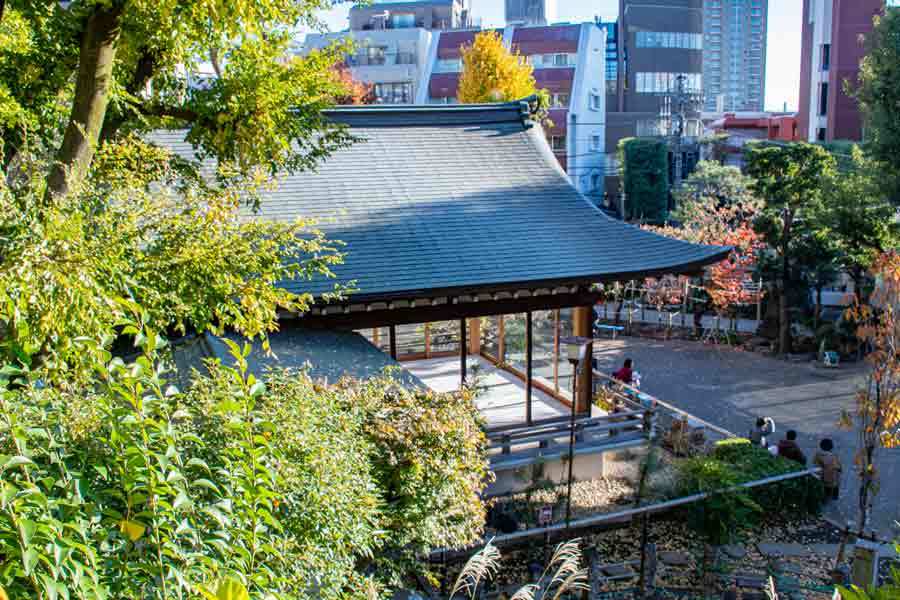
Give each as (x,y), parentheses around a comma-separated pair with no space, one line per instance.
(746,580)
(617,570)
(734,551)
(674,559)
(779,550)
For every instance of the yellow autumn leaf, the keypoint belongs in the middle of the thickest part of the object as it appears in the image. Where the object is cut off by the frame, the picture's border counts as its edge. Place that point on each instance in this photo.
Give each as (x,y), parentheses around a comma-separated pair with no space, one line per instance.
(3,595)
(131,529)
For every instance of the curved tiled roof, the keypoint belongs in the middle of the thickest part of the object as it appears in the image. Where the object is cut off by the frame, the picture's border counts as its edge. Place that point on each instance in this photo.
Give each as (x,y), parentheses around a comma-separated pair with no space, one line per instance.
(449,199)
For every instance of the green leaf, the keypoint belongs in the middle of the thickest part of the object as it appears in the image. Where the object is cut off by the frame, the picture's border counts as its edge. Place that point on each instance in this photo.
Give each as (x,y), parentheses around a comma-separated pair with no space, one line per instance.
(258,389)
(132,529)
(15,461)
(232,589)
(29,560)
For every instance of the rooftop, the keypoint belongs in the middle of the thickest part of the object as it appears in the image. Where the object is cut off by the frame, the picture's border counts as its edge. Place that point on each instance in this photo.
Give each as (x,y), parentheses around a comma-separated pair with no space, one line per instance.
(443,200)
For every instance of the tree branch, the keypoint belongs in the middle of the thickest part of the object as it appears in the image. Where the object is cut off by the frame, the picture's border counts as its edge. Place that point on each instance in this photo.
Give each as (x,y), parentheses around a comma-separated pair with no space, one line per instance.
(174,112)
(144,70)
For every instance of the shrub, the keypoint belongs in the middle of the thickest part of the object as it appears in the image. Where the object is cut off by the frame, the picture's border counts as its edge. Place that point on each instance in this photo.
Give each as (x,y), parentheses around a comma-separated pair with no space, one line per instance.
(645,181)
(128,488)
(799,496)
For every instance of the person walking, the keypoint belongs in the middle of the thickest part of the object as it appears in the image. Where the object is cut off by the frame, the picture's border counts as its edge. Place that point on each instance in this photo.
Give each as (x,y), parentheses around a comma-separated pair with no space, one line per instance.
(831,468)
(789,449)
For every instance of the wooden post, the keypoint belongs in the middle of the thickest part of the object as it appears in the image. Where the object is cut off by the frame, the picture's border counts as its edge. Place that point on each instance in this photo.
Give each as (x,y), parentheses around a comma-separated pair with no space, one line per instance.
(392,333)
(463,355)
(528,361)
(475,336)
(583,327)
(427,330)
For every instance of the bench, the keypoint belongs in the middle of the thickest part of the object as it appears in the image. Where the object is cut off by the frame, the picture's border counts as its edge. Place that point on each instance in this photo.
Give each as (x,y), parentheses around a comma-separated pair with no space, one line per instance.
(613,329)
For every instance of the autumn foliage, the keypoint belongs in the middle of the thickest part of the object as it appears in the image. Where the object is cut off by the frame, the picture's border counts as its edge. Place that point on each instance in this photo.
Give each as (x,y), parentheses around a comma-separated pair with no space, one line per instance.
(876,414)
(491,73)
(357,91)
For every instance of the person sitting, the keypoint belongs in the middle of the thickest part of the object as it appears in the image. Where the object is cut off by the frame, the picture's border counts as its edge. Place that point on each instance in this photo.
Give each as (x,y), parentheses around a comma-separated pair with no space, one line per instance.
(764,427)
(625,374)
(789,449)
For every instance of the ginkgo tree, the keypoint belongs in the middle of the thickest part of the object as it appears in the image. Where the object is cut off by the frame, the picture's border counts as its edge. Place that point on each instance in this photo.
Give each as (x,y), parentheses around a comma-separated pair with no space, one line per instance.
(493,73)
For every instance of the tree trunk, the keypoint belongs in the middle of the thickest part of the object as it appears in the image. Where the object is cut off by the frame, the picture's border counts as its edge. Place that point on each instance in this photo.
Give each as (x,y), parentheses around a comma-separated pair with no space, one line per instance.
(784,317)
(818,312)
(95,68)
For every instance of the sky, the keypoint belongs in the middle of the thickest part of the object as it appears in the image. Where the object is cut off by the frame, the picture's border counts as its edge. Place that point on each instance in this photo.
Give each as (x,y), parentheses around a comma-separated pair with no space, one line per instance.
(783,54)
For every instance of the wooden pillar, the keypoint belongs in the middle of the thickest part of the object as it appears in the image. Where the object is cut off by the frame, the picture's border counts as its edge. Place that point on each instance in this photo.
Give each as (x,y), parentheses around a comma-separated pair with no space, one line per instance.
(529,347)
(475,336)
(583,325)
(463,352)
(392,333)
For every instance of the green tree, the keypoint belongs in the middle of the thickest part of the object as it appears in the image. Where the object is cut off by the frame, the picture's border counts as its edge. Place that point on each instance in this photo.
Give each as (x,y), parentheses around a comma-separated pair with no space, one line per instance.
(715,193)
(180,255)
(75,74)
(789,180)
(878,94)
(858,217)
(645,178)
(126,487)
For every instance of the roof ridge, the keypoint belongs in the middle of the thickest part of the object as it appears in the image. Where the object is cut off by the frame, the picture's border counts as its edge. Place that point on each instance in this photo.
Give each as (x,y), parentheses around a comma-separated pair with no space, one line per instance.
(399,115)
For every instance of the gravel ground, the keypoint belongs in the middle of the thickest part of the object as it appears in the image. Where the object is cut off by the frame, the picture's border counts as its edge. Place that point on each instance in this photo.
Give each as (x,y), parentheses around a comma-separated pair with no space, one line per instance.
(731,388)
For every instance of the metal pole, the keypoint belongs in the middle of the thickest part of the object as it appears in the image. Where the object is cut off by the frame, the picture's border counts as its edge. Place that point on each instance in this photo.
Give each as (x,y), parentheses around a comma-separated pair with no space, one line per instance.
(575,367)
(529,347)
(463,349)
(392,334)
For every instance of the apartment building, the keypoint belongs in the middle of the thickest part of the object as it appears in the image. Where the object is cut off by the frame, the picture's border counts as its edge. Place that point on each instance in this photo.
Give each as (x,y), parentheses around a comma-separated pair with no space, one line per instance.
(405,50)
(734,57)
(569,61)
(831,51)
(660,56)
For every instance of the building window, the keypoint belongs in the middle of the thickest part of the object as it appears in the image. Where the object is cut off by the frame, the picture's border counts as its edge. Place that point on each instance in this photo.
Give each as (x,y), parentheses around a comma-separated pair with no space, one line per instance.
(544,61)
(664,83)
(823,100)
(448,65)
(595,102)
(826,57)
(648,128)
(559,100)
(820,134)
(596,182)
(403,21)
(669,39)
(558,143)
(596,142)
(393,93)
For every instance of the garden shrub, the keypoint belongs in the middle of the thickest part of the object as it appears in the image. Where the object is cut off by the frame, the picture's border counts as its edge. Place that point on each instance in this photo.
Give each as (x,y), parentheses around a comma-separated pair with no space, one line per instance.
(799,496)
(737,461)
(645,178)
(129,488)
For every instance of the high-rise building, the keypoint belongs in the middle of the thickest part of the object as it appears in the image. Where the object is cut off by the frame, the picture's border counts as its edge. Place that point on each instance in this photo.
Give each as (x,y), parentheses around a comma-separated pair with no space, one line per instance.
(530,12)
(831,52)
(660,60)
(734,54)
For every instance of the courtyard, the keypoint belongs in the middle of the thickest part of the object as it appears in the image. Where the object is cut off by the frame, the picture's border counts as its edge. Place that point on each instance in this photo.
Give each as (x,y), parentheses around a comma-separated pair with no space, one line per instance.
(731,388)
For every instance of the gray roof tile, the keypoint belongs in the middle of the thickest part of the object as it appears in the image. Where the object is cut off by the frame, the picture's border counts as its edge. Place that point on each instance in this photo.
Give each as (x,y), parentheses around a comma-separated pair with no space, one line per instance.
(440,199)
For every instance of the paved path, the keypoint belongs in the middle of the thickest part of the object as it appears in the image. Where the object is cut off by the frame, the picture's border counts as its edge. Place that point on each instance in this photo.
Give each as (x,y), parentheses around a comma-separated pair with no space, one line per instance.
(732,388)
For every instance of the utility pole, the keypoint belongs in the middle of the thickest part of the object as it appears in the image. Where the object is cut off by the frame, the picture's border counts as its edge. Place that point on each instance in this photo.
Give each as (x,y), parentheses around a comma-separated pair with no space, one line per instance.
(679,107)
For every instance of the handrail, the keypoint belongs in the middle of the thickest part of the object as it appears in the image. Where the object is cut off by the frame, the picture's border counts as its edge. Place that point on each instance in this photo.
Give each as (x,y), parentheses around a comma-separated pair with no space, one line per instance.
(666,405)
(597,519)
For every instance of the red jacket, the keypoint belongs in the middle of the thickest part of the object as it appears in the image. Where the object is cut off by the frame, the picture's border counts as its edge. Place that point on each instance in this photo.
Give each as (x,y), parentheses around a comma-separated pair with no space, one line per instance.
(624,375)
